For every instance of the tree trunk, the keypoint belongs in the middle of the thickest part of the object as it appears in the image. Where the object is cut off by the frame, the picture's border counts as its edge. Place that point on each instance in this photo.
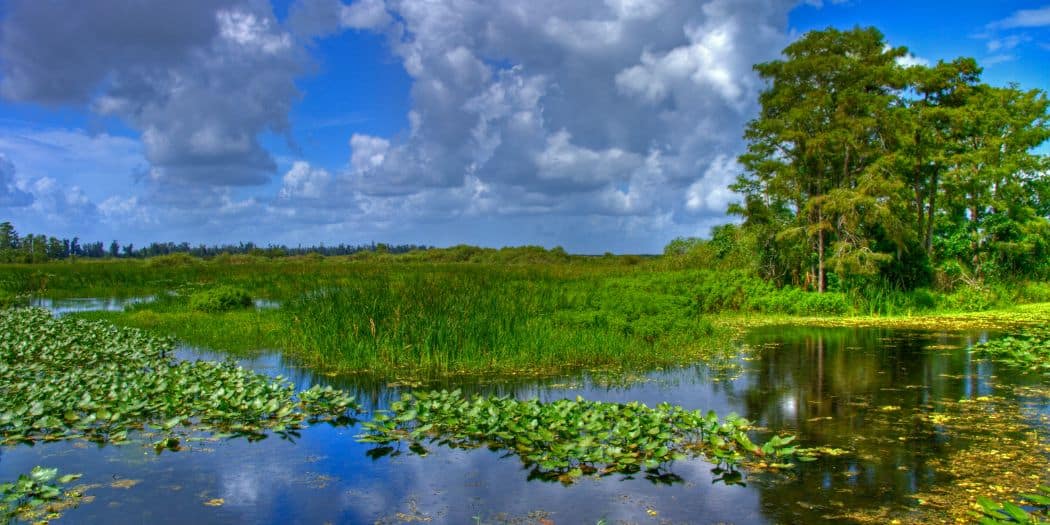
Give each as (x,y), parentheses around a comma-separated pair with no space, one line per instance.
(917,181)
(820,252)
(928,239)
(975,244)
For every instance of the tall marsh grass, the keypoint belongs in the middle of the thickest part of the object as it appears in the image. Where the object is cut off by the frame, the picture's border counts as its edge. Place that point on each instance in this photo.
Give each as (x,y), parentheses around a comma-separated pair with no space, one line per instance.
(475,319)
(421,315)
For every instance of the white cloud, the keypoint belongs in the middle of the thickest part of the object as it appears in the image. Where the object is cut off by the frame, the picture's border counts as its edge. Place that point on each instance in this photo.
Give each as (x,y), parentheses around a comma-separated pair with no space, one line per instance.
(583,168)
(365,14)
(581,123)
(1039,17)
(10,194)
(367,152)
(576,109)
(706,63)
(247,29)
(122,211)
(199,79)
(998,59)
(58,204)
(711,193)
(304,181)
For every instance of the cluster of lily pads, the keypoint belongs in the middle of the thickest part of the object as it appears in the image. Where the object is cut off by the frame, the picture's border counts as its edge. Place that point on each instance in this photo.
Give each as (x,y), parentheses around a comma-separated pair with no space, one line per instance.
(23,497)
(566,439)
(1029,349)
(63,378)
(1036,511)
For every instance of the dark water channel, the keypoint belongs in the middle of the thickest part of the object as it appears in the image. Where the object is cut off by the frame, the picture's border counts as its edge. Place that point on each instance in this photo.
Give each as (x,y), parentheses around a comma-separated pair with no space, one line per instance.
(842,388)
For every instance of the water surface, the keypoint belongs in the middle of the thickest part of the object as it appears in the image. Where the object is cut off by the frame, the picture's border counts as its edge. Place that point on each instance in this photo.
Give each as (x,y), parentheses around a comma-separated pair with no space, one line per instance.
(862,390)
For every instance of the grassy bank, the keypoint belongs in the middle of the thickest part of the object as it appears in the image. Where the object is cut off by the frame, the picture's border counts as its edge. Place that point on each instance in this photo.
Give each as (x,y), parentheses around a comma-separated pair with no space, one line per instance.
(1035,314)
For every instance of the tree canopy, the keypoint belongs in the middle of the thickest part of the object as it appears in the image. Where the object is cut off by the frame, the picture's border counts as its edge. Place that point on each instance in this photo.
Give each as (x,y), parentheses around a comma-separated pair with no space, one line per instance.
(868,168)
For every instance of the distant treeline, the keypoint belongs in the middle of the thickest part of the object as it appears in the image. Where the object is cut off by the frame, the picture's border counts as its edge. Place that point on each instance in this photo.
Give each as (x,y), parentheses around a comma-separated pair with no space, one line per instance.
(30,248)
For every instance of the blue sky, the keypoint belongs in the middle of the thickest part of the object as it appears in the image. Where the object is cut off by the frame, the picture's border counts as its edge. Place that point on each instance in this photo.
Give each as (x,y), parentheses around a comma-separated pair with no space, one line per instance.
(597,125)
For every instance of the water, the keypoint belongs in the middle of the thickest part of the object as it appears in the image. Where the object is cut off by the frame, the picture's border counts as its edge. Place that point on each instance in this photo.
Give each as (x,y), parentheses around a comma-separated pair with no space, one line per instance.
(855,389)
(110,304)
(87,304)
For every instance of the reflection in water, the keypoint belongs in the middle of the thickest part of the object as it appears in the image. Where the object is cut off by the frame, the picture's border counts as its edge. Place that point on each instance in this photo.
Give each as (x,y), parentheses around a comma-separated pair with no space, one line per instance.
(110,304)
(87,304)
(861,390)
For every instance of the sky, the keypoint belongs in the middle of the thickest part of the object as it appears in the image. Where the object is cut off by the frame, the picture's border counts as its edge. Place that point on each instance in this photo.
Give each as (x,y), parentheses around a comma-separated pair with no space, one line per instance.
(596,125)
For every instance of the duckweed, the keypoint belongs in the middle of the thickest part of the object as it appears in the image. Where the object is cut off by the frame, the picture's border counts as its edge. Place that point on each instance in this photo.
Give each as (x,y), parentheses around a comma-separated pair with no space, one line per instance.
(68,378)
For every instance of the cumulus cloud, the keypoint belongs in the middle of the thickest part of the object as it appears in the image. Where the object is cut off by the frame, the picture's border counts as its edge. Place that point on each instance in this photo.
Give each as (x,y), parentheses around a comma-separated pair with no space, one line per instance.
(45,199)
(10,194)
(60,204)
(612,108)
(322,17)
(199,79)
(305,182)
(711,193)
(576,122)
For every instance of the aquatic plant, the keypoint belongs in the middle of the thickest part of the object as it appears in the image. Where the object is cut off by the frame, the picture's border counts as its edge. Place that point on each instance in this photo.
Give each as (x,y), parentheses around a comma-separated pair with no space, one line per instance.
(566,439)
(69,378)
(1037,511)
(24,497)
(222,298)
(467,319)
(1028,349)
(414,318)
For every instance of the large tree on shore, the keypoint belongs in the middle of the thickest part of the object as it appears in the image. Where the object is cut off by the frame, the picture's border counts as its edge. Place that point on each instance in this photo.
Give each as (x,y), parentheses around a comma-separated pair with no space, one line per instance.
(822,125)
(857,162)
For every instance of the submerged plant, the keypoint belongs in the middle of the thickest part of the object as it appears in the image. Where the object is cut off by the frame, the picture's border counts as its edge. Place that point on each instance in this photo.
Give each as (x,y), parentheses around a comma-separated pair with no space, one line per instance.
(66,378)
(566,439)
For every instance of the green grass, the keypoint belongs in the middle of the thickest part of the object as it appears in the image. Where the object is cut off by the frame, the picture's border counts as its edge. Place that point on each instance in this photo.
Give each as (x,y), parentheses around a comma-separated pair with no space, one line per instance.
(482,319)
(530,311)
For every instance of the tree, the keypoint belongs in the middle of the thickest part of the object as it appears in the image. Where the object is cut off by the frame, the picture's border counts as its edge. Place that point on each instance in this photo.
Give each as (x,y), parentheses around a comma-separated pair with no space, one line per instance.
(994,180)
(8,242)
(821,127)
(871,169)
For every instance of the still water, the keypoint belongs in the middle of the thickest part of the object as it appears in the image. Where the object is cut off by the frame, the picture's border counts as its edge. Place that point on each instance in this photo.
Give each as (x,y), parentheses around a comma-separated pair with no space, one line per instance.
(861,390)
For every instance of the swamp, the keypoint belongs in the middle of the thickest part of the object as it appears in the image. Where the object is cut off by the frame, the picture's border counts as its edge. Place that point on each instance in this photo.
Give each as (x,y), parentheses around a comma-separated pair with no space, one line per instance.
(395,391)
(863,337)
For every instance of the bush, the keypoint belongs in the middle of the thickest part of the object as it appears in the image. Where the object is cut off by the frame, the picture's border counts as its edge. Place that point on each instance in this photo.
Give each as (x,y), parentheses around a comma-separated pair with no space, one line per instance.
(1032,292)
(970,299)
(10,300)
(220,299)
(828,303)
(173,260)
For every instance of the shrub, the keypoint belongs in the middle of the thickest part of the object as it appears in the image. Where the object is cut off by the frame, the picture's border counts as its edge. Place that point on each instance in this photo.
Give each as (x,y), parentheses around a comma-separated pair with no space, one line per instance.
(969,299)
(10,300)
(829,303)
(173,260)
(220,299)
(1032,292)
